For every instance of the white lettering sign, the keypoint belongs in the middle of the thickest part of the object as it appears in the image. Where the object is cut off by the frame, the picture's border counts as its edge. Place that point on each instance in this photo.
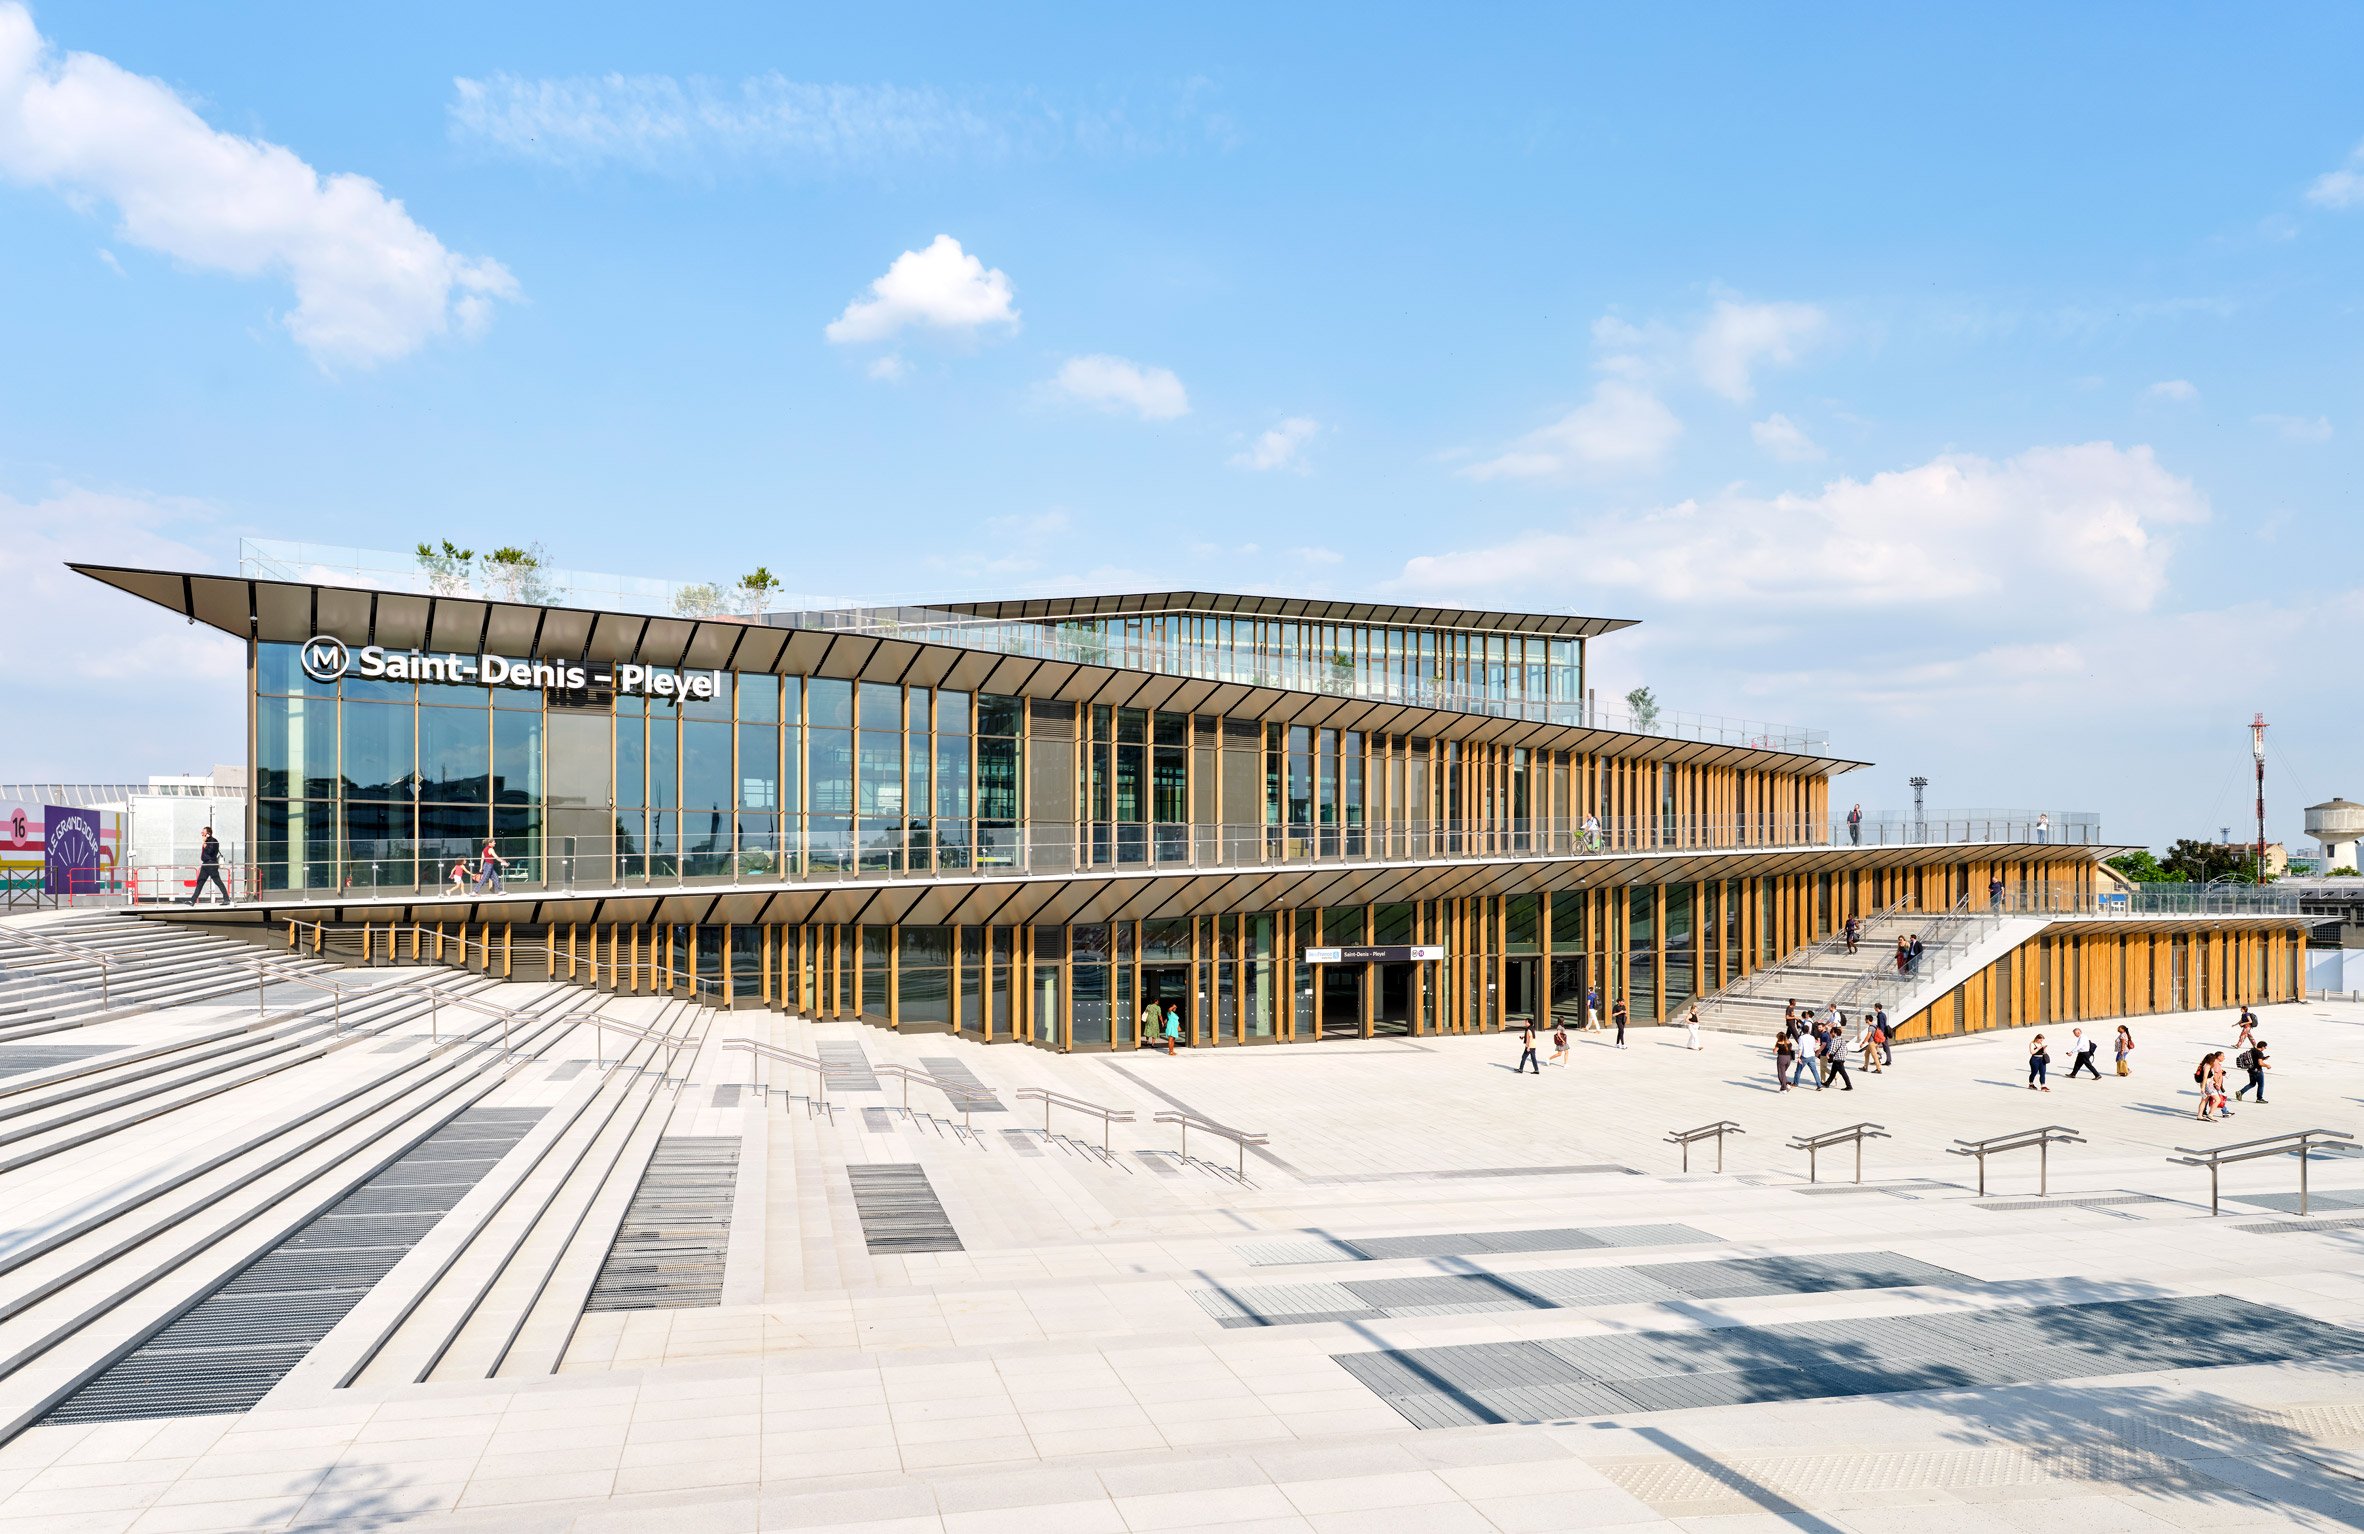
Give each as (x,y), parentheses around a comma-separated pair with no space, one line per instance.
(326,660)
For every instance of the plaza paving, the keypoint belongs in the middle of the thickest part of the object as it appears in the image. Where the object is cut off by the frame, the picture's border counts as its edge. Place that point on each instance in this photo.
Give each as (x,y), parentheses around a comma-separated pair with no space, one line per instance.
(1443,1297)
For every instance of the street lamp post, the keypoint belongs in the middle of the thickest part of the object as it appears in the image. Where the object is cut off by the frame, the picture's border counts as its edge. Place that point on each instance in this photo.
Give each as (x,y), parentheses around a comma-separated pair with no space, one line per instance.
(2257,729)
(1920,825)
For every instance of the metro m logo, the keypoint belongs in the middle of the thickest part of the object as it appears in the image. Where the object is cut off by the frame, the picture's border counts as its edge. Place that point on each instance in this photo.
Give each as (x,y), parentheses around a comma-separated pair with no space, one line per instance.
(325,659)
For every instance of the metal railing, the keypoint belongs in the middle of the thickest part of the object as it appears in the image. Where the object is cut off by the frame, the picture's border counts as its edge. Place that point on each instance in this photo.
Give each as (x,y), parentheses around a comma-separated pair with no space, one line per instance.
(1942,933)
(2296,1142)
(1715,1131)
(1775,976)
(960,1097)
(668,1040)
(1815,1145)
(539,867)
(1190,1121)
(757,1049)
(2041,1140)
(1105,1114)
(71,952)
(664,979)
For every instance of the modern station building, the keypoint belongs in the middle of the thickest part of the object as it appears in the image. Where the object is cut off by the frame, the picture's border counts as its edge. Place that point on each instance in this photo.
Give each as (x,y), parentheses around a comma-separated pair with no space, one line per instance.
(1289,819)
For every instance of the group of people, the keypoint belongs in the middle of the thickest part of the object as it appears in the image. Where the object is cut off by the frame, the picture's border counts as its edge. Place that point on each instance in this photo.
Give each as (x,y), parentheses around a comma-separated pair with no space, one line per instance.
(485,878)
(1159,1026)
(1531,1036)
(1908,954)
(2081,1052)
(2248,1055)
(1816,1045)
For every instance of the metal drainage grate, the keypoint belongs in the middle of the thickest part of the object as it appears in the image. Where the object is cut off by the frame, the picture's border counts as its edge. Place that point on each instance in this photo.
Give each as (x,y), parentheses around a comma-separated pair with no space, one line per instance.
(568,1071)
(669,1252)
(1375,1299)
(956,1075)
(1587,1169)
(727,1095)
(1661,1371)
(877,1120)
(2076,1201)
(2287,1203)
(21,1059)
(1476,1243)
(899,1209)
(2299,1227)
(1022,1141)
(226,1352)
(845,1068)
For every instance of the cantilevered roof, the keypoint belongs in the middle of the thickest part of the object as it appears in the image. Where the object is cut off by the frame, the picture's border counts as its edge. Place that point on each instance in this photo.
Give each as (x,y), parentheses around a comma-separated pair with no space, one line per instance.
(290,612)
(1311,609)
(944,898)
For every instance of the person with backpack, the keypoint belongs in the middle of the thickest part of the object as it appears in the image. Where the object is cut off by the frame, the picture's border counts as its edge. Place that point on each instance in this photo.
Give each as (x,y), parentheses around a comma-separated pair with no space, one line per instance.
(2253,1060)
(1887,1034)
(1834,1056)
(1559,1045)
(1785,1055)
(2081,1053)
(2125,1049)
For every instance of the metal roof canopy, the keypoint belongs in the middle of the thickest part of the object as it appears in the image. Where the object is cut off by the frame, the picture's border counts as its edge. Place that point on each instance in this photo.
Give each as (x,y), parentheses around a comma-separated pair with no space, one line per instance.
(290,612)
(1095,895)
(1311,609)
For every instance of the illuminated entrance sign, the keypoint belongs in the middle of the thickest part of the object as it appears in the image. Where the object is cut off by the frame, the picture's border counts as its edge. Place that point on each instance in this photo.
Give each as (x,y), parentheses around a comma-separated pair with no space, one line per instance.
(1382,955)
(326,660)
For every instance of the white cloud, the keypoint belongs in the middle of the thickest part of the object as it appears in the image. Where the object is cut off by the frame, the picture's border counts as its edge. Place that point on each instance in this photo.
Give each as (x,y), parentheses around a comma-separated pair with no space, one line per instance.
(1785,439)
(1116,385)
(2091,525)
(2181,390)
(370,284)
(1737,338)
(1623,426)
(2341,188)
(890,368)
(1282,447)
(2297,428)
(943,287)
(662,124)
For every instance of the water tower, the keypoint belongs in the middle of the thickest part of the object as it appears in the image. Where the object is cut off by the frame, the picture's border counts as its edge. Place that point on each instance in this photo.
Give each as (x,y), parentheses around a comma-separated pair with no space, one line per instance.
(2337,824)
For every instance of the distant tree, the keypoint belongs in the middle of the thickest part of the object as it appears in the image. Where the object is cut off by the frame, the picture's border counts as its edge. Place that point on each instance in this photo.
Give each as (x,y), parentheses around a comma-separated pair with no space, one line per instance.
(447,568)
(516,573)
(699,599)
(2141,867)
(2197,862)
(756,590)
(1642,707)
(2340,873)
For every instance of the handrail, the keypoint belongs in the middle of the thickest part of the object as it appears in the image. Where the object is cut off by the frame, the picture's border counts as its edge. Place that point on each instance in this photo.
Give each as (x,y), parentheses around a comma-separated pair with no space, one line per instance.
(674,974)
(64,950)
(963,1098)
(2042,1139)
(1814,1145)
(1108,1115)
(670,1042)
(1754,982)
(755,1047)
(2295,1142)
(1237,1137)
(1718,1129)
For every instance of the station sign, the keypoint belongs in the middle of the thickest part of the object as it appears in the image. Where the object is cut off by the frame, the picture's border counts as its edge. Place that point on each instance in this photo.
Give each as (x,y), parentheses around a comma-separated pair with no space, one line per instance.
(327,660)
(1385,954)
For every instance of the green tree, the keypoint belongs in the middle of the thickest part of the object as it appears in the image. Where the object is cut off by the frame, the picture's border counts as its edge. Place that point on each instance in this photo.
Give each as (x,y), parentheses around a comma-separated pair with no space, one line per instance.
(2197,862)
(699,599)
(446,568)
(516,573)
(756,590)
(1642,708)
(2141,867)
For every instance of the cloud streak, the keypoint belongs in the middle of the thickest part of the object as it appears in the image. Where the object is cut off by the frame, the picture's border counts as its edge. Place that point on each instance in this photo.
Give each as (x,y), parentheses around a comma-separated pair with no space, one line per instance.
(671,125)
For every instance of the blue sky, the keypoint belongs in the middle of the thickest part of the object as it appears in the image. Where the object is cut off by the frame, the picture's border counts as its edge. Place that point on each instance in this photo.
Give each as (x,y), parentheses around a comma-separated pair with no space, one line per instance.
(1981,387)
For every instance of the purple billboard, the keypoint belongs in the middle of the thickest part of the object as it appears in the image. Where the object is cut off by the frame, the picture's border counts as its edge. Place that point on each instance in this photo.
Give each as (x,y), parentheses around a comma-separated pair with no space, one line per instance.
(69,850)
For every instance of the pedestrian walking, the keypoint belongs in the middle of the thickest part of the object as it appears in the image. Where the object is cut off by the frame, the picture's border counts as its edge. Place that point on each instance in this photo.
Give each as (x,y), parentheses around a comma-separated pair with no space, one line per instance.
(1150,1018)
(488,875)
(461,880)
(1855,828)
(1559,1045)
(1592,1011)
(1785,1058)
(2081,1053)
(2125,1049)
(1173,1028)
(2216,1070)
(1691,1027)
(1904,954)
(1867,1044)
(2248,1030)
(1834,1061)
(1913,955)
(1994,893)
(1617,1015)
(1527,1051)
(1887,1034)
(1854,931)
(1804,1046)
(209,868)
(2254,1062)
(2038,1059)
